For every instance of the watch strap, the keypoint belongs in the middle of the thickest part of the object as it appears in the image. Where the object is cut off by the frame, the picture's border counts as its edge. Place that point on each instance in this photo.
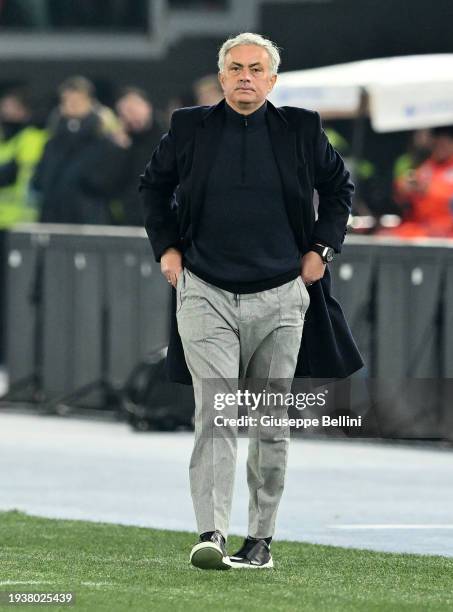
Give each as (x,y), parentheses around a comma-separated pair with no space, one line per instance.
(322,250)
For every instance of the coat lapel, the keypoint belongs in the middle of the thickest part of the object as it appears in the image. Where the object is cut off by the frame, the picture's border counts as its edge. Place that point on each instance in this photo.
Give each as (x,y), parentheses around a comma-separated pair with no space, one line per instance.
(283,140)
(207,139)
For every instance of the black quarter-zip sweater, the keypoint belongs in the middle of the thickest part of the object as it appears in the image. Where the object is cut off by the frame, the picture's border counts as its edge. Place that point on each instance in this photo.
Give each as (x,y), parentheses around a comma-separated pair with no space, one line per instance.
(244,243)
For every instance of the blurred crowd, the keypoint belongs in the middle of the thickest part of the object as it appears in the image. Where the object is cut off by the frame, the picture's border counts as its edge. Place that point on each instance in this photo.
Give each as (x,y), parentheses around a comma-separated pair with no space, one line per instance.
(83,165)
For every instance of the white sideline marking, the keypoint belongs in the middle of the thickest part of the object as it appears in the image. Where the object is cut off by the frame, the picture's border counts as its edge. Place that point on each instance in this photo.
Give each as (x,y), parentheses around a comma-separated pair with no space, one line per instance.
(26,582)
(86,583)
(97,584)
(393,526)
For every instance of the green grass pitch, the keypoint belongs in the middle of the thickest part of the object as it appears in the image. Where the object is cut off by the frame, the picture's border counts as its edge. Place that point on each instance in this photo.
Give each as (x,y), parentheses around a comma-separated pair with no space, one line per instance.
(133,569)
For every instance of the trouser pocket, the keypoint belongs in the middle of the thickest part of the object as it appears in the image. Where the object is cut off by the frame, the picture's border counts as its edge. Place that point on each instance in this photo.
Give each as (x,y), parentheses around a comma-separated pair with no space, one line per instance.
(180,285)
(305,296)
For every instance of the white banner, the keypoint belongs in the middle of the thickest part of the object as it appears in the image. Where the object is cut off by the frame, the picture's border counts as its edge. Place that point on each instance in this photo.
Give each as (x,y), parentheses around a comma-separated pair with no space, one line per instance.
(338,100)
(409,107)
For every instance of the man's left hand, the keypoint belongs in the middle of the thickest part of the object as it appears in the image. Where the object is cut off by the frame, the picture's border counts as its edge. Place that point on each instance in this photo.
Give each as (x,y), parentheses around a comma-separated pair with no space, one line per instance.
(312,267)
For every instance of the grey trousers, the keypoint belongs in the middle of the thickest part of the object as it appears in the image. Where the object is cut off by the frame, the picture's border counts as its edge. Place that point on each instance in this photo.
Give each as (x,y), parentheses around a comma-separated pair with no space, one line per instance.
(228,338)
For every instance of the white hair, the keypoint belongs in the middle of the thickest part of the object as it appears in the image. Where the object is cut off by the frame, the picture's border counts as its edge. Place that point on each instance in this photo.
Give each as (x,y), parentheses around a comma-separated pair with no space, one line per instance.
(249,38)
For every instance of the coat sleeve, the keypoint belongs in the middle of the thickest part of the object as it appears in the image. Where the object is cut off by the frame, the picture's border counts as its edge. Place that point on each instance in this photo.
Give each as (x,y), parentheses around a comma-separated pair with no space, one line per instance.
(335,188)
(157,185)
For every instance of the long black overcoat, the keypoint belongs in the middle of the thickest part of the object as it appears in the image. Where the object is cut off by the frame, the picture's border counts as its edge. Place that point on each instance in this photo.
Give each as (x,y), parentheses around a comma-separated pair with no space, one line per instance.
(306,161)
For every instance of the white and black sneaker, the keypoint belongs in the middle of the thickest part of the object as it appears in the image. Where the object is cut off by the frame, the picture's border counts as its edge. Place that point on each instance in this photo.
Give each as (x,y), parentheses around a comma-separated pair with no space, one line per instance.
(210,552)
(254,554)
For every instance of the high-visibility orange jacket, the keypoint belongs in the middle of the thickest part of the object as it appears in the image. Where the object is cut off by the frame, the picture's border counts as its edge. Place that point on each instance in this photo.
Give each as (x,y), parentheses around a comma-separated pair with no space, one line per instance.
(431,207)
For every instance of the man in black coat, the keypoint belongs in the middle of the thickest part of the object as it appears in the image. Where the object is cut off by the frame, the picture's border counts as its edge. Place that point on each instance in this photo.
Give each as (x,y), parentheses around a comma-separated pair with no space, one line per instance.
(142,132)
(241,247)
(74,179)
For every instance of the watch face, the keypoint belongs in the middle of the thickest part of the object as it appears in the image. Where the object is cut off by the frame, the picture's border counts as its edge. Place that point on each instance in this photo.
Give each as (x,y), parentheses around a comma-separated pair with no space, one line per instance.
(329,255)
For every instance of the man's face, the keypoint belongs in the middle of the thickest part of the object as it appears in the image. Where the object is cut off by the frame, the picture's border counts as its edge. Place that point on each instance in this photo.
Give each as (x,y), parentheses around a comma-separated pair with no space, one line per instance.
(12,110)
(208,94)
(442,147)
(246,78)
(134,112)
(75,104)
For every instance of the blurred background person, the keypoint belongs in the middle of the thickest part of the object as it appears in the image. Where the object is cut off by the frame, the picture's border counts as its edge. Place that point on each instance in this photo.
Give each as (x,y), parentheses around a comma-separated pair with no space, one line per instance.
(419,148)
(70,178)
(140,135)
(424,191)
(207,90)
(368,182)
(21,147)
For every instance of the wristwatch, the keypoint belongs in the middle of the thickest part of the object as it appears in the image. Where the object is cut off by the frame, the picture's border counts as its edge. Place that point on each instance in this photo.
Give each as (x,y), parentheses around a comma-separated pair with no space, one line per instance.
(326,252)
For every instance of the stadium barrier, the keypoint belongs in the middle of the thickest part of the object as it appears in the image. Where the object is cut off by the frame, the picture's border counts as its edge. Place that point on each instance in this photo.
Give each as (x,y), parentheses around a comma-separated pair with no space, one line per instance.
(84,304)
(87,303)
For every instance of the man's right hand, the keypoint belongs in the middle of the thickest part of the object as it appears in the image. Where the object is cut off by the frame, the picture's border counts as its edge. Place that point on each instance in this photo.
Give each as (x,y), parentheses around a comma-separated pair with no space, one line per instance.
(171,265)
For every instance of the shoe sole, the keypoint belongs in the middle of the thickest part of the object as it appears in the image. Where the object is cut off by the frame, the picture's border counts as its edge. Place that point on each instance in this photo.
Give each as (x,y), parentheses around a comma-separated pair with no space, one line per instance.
(238,564)
(206,555)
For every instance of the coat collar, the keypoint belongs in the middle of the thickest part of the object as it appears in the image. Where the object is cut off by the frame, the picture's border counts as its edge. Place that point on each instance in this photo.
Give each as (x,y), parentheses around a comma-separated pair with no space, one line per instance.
(283,141)
(213,113)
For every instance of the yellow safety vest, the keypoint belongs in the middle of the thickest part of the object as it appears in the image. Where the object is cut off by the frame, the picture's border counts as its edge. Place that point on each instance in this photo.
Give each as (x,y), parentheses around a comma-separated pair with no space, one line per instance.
(26,149)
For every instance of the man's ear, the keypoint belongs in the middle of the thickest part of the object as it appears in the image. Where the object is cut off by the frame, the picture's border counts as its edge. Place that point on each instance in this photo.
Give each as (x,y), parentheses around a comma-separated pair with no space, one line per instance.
(220,77)
(273,81)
